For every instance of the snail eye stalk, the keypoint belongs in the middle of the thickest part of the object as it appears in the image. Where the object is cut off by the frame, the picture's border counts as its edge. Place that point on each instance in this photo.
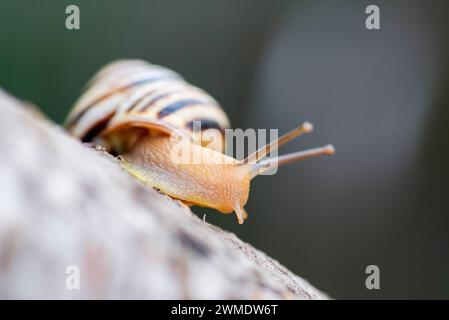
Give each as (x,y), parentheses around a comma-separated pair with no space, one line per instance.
(255,165)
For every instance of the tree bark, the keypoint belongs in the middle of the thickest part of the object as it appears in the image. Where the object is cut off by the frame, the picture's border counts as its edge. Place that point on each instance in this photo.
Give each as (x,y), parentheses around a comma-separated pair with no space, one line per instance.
(68,210)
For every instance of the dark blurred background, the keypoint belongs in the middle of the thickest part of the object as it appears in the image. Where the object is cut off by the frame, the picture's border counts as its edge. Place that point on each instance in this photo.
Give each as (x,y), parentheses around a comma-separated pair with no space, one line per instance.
(380,96)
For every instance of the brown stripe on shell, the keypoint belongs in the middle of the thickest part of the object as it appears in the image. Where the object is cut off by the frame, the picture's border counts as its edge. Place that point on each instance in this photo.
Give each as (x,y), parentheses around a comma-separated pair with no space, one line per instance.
(175,106)
(97,128)
(136,103)
(205,124)
(154,100)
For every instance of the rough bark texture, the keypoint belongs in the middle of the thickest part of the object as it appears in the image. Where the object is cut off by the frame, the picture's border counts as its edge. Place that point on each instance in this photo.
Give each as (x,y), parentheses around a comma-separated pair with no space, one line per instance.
(64,204)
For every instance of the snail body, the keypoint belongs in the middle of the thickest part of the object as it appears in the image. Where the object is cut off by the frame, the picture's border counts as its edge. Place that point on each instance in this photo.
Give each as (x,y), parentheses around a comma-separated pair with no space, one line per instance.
(143,112)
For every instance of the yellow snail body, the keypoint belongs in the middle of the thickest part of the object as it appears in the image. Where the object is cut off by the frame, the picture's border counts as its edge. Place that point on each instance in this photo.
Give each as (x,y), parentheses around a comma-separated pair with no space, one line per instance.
(135,109)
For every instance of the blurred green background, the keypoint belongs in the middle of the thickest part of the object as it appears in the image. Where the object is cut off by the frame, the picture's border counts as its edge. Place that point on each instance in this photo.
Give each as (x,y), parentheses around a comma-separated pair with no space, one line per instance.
(380,96)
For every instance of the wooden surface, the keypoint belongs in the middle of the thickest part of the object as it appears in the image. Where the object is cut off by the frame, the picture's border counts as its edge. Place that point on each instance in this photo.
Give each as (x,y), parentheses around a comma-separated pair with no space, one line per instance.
(65,204)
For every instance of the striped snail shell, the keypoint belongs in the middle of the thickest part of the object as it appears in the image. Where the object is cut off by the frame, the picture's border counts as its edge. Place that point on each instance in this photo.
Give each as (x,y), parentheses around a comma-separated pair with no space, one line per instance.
(133,94)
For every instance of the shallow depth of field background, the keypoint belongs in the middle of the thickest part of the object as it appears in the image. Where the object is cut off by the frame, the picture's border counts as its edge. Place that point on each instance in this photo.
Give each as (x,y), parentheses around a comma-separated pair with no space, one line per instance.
(381,97)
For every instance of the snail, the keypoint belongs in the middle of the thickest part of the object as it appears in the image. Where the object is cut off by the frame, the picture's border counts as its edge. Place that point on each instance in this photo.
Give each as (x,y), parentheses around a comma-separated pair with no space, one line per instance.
(142,112)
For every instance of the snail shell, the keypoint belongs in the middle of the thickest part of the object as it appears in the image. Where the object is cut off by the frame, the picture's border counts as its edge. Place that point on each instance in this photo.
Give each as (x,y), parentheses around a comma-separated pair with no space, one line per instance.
(130,98)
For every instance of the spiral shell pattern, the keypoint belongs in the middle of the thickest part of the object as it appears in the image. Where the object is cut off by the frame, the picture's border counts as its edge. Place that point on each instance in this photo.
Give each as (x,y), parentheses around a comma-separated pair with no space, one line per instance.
(131,90)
